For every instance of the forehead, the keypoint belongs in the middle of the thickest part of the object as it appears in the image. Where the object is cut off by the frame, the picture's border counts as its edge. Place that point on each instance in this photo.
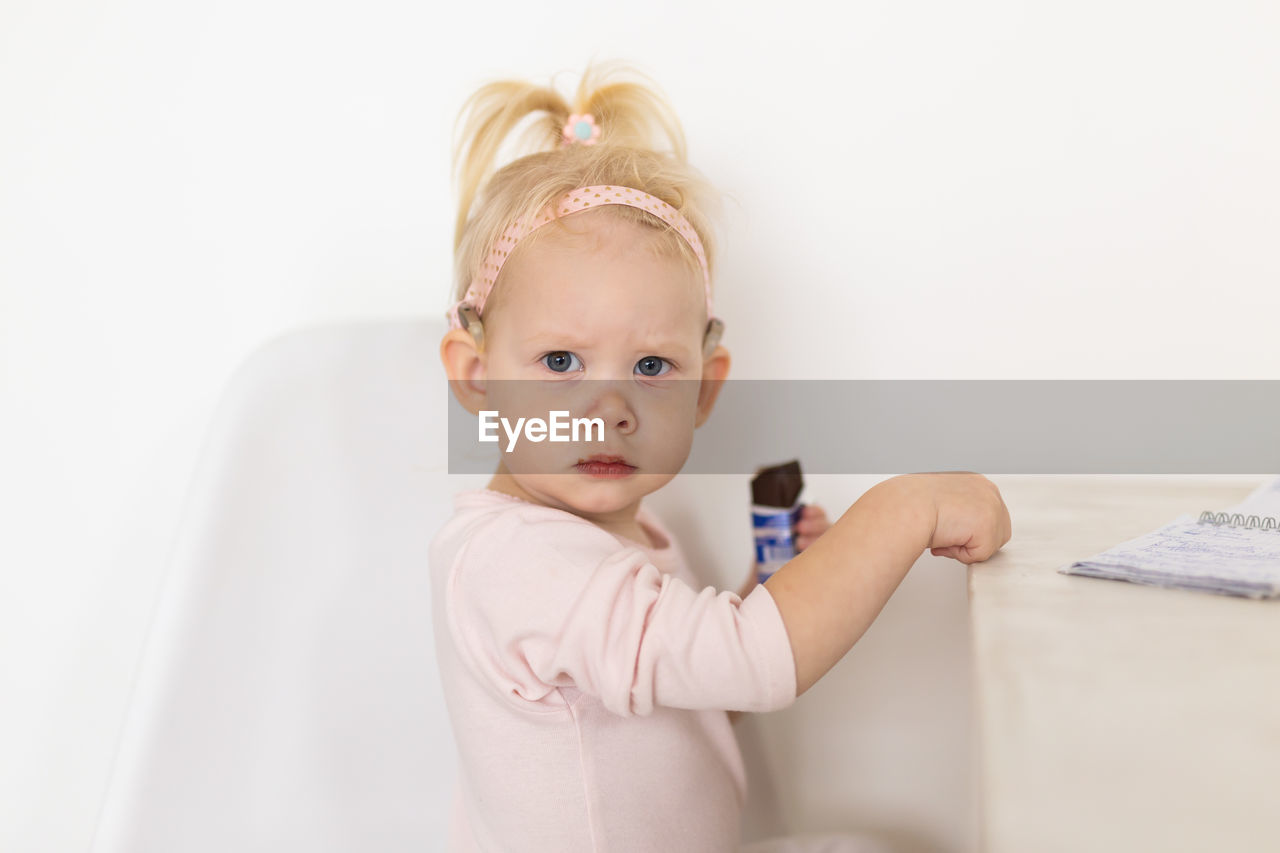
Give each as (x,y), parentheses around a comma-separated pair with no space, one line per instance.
(599,269)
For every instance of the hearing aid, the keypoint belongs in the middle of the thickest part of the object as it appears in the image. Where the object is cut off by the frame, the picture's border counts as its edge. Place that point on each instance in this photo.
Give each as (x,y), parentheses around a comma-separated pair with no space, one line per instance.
(470,320)
(711,337)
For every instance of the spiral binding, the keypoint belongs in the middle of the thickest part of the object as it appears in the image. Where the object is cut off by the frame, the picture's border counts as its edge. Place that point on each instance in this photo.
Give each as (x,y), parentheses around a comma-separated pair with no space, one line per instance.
(1235,519)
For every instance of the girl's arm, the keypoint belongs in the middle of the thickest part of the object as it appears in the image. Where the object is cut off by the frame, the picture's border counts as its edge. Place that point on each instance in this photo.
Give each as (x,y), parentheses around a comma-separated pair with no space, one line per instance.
(829,594)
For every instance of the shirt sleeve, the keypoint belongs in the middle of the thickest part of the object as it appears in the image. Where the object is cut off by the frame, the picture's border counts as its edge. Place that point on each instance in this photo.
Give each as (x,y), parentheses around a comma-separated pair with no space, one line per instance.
(539,604)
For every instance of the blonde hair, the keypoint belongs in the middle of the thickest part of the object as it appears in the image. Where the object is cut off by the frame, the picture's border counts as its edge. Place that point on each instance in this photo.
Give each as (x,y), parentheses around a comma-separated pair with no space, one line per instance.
(628,113)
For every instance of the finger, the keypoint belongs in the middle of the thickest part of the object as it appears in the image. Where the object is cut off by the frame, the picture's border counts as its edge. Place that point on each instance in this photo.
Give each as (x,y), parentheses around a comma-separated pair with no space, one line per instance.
(803,542)
(982,552)
(812,511)
(962,553)
(811,526)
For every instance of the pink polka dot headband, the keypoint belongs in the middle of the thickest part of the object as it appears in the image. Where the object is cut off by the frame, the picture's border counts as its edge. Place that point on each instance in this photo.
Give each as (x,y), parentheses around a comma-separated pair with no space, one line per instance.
(572,201)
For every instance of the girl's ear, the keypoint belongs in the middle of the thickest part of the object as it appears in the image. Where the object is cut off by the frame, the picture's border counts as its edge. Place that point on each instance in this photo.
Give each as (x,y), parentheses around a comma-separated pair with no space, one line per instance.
(465,367)
(715,368)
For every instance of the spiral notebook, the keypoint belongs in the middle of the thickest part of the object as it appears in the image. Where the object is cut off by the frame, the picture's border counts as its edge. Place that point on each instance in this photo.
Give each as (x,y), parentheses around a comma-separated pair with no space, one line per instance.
(1234,552)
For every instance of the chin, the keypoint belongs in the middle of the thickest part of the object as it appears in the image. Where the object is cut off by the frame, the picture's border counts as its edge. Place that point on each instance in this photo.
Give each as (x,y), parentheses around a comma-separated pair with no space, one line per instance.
(604,495)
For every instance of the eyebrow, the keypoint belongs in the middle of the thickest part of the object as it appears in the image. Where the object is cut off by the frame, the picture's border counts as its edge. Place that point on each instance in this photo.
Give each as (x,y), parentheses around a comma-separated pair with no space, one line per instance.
(568,341)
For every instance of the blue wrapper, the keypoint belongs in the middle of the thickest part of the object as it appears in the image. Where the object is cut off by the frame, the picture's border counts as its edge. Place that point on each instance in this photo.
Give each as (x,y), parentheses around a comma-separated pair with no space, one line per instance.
(774,529)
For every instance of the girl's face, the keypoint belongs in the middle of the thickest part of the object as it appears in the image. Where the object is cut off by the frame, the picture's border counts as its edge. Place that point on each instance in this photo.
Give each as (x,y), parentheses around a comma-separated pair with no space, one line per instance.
(601,326)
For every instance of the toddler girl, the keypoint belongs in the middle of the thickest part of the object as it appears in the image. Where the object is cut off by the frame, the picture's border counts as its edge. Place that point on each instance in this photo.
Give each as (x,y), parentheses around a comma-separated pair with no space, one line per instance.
(586,670)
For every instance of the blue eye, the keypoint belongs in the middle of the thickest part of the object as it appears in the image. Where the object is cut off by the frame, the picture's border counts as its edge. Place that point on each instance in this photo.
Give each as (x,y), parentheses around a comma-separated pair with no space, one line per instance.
(561,361)
(652,365)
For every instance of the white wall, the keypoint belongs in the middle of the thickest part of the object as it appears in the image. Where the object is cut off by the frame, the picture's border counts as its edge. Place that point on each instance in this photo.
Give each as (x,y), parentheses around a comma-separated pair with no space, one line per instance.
(927,190)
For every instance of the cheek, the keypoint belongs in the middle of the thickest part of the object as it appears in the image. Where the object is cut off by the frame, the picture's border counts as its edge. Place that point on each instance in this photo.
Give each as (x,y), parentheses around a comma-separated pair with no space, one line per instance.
(668,433)
(535,458)
(518,398)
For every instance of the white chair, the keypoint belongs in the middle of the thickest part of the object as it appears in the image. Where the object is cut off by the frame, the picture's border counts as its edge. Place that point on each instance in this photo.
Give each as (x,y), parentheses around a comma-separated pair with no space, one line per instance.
(288,697)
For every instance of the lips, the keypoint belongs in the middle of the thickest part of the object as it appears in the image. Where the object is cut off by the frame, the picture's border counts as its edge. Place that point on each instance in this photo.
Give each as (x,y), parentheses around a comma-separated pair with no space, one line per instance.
(605,465)
(607,458)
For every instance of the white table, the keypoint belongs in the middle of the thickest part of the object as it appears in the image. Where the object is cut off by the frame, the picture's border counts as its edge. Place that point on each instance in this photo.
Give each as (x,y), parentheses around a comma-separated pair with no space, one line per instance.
(1116,716)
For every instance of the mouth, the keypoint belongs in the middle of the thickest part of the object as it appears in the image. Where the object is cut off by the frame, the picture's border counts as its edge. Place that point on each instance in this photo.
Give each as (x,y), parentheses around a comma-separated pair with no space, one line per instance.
(605,466)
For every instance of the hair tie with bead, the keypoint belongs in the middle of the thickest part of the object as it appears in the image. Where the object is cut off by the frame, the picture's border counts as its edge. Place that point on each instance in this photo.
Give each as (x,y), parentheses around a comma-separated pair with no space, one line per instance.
(581,129)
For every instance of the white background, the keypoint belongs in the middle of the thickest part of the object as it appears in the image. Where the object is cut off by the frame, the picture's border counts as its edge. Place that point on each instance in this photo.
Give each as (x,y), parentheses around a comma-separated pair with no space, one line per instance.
(923,190)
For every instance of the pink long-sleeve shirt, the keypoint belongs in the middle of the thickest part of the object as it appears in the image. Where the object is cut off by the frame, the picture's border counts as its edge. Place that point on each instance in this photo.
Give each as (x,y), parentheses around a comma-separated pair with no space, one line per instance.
(587,678)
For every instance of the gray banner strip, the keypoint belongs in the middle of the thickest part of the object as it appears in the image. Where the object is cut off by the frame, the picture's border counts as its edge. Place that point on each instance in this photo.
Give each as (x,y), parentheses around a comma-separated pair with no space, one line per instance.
(991,426)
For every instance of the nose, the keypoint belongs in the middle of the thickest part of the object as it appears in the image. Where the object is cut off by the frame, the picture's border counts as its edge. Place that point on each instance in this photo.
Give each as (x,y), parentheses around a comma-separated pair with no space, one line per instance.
(612,406)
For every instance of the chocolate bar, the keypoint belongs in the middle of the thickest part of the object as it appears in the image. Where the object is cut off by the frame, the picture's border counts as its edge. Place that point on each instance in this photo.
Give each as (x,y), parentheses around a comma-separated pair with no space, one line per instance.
(774,513)
(778,485)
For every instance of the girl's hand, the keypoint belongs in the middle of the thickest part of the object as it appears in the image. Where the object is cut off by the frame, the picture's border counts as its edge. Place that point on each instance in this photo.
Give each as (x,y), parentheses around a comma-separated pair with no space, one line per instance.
(971,521)
(812,524)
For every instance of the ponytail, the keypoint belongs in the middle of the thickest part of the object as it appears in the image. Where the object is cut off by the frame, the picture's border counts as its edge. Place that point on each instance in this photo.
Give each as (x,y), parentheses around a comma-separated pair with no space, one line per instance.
(641,145)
